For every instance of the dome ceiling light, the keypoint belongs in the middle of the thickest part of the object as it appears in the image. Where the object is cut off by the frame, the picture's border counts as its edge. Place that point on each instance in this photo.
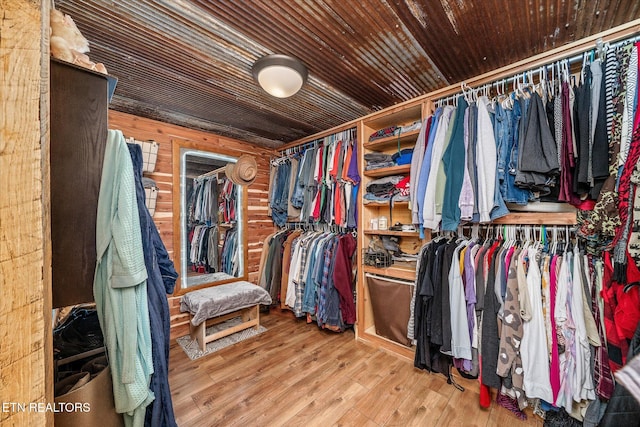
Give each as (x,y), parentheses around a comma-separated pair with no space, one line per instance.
(280,75)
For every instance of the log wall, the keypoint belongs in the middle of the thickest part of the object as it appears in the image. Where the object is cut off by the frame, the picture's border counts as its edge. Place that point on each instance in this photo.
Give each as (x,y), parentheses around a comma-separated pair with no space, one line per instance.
(25,254)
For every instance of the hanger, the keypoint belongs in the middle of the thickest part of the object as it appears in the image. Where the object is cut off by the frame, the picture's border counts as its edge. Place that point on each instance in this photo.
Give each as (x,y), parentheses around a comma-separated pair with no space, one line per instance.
(465,93)
(475,230)
(601,49)
(567,240)
(508,100)
(554,237)
(584,66)
(543,89)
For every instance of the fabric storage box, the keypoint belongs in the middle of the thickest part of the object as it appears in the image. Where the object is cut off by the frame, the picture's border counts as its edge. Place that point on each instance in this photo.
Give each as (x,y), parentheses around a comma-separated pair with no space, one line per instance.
(89,405)
(390,303)
(149,153)
(150,194)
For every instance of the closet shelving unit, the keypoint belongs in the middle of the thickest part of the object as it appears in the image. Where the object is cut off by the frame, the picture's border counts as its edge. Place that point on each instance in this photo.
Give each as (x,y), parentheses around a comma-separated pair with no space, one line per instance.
(391,233)
(392,141)
(394,170)
(409,242)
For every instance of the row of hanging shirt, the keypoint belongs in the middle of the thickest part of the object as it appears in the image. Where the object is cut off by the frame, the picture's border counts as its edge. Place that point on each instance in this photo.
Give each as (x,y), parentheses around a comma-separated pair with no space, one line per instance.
(542,142)
(317,183)
(211,201)
(312,272)
(202,200)
(229,254)
(522,313)
(613,219)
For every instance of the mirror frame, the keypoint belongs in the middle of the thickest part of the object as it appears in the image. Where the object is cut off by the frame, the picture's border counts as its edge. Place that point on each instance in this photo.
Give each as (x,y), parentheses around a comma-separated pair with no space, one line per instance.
(177,145)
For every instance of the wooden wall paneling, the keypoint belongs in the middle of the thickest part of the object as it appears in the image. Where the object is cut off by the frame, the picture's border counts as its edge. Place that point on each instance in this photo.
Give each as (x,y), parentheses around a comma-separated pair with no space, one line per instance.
(259,225)
(25,276)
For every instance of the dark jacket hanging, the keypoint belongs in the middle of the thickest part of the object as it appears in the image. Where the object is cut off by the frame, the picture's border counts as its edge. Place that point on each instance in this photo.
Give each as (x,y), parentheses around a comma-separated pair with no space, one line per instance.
(623,409)
(160,282)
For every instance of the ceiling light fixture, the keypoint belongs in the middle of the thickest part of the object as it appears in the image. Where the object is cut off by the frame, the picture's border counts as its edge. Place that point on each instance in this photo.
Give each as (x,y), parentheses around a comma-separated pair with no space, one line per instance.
(280,75)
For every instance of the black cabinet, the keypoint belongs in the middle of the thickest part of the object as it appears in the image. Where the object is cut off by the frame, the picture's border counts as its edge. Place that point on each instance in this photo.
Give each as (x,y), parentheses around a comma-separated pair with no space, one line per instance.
(79,107)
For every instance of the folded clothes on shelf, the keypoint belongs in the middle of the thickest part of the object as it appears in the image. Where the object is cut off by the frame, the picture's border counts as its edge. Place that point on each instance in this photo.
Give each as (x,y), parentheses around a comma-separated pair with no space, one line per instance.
(383,133)
(378,160)
(384,186)
(378,157)
(378,165)
(410,127)
(395,130)
(403,157)
(402,227)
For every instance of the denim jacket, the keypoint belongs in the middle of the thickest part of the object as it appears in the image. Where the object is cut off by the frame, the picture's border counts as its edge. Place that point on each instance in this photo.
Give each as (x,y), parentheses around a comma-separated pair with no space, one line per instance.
(508,130)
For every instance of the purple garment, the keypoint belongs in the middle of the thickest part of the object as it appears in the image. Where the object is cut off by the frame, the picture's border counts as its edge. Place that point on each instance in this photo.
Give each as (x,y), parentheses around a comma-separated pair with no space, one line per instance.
(567,154)
(352,172)
(470,296)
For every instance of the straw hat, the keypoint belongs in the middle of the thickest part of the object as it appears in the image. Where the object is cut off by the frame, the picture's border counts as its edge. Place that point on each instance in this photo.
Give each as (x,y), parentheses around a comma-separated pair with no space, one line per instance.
(244,171)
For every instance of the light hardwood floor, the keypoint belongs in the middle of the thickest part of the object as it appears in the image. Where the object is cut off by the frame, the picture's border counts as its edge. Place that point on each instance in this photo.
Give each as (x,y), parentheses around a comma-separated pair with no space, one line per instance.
(295,374)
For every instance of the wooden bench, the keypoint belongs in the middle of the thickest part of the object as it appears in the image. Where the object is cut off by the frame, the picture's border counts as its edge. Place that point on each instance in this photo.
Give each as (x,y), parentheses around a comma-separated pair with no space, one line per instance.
(217,304)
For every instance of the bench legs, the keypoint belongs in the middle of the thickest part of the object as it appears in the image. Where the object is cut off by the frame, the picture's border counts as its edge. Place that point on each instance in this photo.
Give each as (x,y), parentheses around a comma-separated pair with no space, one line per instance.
(250,318)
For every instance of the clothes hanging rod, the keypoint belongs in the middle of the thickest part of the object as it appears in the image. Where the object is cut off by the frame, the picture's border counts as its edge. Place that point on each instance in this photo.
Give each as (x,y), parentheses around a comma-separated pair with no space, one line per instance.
(351,132)
(513,78)
(211,173)
(389,279)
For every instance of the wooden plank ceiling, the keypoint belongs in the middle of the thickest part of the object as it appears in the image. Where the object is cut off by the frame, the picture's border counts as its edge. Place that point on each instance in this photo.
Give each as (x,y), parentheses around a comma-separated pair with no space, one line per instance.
(189,62)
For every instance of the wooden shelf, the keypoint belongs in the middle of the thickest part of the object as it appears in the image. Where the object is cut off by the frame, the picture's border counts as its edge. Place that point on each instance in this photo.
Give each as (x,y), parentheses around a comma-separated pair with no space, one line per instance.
(393,170)
(392,141)
(392,271)
(370,337)
(538,218)
(391,233)
(374,204)
(405,113)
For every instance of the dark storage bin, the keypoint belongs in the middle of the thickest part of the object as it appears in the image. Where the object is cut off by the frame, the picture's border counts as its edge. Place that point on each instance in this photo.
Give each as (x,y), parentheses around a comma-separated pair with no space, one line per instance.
(391,305)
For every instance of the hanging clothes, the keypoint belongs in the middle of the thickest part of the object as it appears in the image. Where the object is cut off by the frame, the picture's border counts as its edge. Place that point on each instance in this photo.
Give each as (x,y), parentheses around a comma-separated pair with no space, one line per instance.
(317,183)
(161,279)
(531,327)
(312,273)
(120,285)
(212,207)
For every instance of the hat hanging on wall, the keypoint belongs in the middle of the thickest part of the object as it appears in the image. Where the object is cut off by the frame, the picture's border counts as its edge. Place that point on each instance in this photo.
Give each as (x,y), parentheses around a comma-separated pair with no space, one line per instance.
(244,171)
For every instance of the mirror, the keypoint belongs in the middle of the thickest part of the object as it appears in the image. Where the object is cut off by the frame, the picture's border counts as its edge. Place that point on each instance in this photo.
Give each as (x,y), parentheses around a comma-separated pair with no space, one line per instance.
(209,218)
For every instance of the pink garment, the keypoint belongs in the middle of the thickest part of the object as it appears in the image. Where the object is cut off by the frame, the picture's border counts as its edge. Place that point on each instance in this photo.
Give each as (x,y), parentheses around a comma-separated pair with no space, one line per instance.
(318,198)
(636,119)
(507,259)
(554,367)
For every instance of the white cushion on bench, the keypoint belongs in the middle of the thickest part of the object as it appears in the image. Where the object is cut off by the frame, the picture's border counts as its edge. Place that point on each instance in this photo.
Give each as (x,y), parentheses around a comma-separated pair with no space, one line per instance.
(215,301)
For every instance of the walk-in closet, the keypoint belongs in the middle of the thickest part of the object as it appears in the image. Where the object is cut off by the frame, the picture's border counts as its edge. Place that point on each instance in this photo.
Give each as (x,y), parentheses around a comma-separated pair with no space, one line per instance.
(320,213)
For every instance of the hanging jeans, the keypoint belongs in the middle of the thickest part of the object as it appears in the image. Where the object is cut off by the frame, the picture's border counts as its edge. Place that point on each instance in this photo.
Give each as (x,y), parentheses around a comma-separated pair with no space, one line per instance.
(510,192)
(297,198)
(279,204)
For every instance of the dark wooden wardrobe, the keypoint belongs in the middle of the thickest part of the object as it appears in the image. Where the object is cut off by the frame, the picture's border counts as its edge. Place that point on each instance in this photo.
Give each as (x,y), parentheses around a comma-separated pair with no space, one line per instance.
(79,104)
